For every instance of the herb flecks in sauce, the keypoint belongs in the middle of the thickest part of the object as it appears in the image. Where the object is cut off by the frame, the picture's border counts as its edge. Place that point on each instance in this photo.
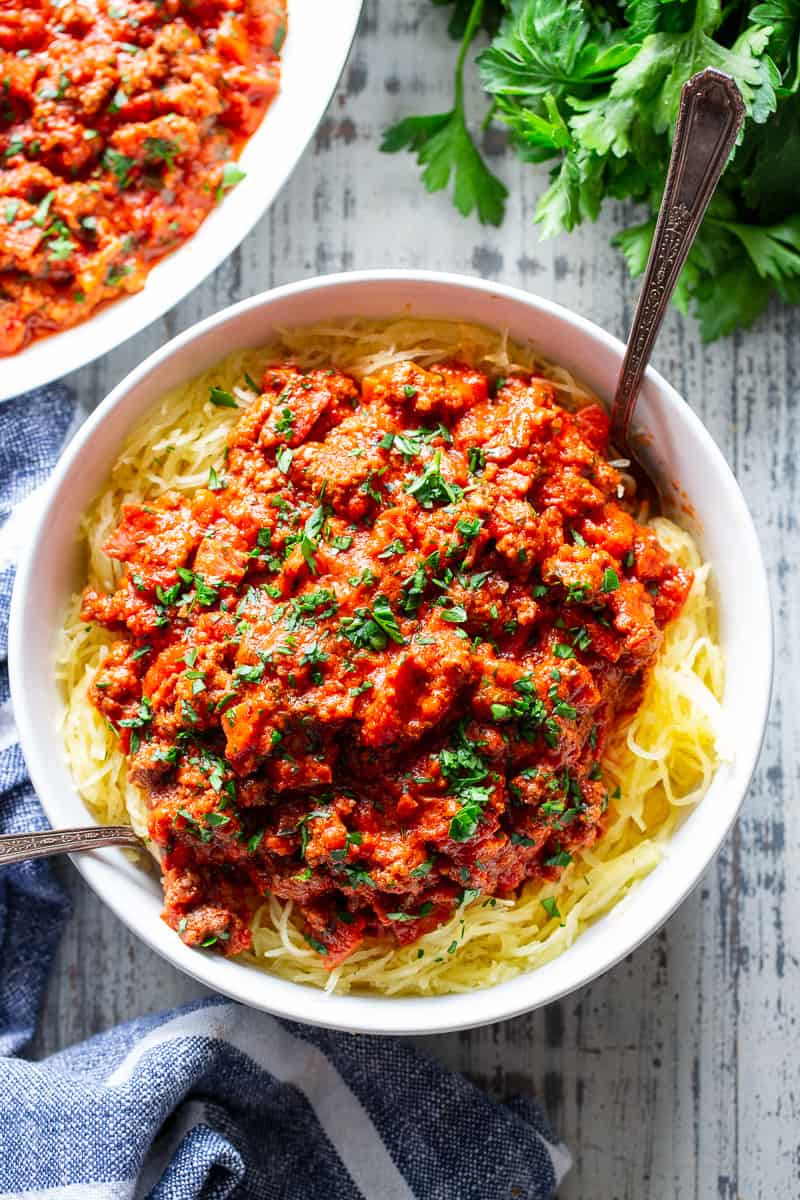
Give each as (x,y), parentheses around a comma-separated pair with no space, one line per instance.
(372,666)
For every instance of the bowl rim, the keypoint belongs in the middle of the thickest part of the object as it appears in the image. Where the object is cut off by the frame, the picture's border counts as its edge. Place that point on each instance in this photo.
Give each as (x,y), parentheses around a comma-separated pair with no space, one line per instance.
(282,136)
(402,1015)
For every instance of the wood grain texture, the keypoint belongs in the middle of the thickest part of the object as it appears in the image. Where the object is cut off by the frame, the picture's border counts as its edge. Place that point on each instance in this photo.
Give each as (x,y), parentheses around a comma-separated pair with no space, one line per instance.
(676,1074)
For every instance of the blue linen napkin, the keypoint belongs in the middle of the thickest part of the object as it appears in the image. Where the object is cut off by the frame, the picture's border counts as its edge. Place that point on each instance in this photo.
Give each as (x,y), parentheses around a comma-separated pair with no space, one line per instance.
(213,1101)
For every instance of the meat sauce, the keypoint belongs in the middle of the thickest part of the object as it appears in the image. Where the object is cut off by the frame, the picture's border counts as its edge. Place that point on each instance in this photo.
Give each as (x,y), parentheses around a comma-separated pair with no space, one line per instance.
(120,122)
(372,668)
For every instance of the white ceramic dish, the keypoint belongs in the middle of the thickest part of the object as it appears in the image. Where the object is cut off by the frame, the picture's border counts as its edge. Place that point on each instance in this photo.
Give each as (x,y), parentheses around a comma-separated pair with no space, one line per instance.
(314,54)
(50,572)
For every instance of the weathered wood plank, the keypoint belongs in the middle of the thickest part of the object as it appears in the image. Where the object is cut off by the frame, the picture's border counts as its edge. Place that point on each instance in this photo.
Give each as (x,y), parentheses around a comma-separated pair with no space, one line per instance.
(675,1075)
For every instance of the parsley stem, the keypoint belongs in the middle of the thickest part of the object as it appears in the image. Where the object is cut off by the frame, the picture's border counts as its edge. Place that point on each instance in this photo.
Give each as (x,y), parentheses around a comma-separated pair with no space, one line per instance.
(466,42)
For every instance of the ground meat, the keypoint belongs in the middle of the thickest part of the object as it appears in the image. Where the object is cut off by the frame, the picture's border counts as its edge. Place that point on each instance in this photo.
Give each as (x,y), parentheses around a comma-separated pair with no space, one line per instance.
(379,667)
(120,128)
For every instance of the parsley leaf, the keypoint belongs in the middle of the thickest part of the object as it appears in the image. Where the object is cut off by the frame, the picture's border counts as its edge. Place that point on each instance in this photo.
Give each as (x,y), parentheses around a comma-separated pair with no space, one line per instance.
(119,165)
(546,48)
(384,617)
(371,629)
(221,399)
(310,537)
(444,147)
(466,774)
(594,90)
(431,487)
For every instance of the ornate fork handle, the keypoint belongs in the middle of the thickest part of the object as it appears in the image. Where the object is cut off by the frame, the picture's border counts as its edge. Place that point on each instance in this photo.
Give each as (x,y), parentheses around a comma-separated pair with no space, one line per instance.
(15,847)
(709,120)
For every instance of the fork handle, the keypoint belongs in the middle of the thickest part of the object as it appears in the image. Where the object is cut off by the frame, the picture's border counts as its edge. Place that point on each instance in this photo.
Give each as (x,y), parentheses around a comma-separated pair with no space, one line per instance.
(16,847)
(710,117)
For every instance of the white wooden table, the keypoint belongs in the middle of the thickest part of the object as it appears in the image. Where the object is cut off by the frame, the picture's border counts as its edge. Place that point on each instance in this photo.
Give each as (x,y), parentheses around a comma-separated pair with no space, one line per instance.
(677,1074)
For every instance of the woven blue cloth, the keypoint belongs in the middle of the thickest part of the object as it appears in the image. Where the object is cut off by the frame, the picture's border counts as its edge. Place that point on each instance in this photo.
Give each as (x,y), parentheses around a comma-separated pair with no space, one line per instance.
(213,1101)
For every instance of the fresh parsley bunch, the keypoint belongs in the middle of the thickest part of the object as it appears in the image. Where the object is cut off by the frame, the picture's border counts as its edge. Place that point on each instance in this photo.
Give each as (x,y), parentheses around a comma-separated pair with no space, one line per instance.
(594,88)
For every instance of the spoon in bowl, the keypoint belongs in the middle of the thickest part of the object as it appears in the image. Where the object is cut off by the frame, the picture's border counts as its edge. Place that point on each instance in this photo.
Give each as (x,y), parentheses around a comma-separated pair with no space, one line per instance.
(709,120)
(16,847)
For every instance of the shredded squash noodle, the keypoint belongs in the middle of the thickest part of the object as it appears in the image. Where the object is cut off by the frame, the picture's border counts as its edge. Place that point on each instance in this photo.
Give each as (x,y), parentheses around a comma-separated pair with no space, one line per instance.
(657,764)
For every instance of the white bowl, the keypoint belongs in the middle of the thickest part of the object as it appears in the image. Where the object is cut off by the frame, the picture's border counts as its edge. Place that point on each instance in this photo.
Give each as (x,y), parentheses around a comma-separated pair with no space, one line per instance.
(49,573)
(314,54)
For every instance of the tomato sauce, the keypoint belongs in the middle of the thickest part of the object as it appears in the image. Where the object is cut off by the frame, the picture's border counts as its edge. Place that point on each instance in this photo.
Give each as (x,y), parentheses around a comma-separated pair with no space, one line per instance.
(120,124)
(373,666)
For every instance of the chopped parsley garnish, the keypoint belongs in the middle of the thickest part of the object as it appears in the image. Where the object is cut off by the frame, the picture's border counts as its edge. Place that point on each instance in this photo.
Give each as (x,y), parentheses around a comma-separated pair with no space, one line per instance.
(315,945)
(456,615)
(216,483)
(581,638)
(216,819)
(249,672)
(466,774)
(116,274)
(372,628)
(160,149)
(310,607)
(309,541)
(395,547)
(285,422)
(356,877)
(142,718)
(60,248)
(232,174)
(469,527)
(413,591)
(221,399)
(431,487)
(119,165)
(576,593)
(205,593)
(561,859)
(411,442)
(477,460)
(527,709)
(366,686)
(43,209)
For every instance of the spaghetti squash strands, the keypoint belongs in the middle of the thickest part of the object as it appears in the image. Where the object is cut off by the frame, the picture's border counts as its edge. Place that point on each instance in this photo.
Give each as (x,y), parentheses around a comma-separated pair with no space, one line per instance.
(657,764)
